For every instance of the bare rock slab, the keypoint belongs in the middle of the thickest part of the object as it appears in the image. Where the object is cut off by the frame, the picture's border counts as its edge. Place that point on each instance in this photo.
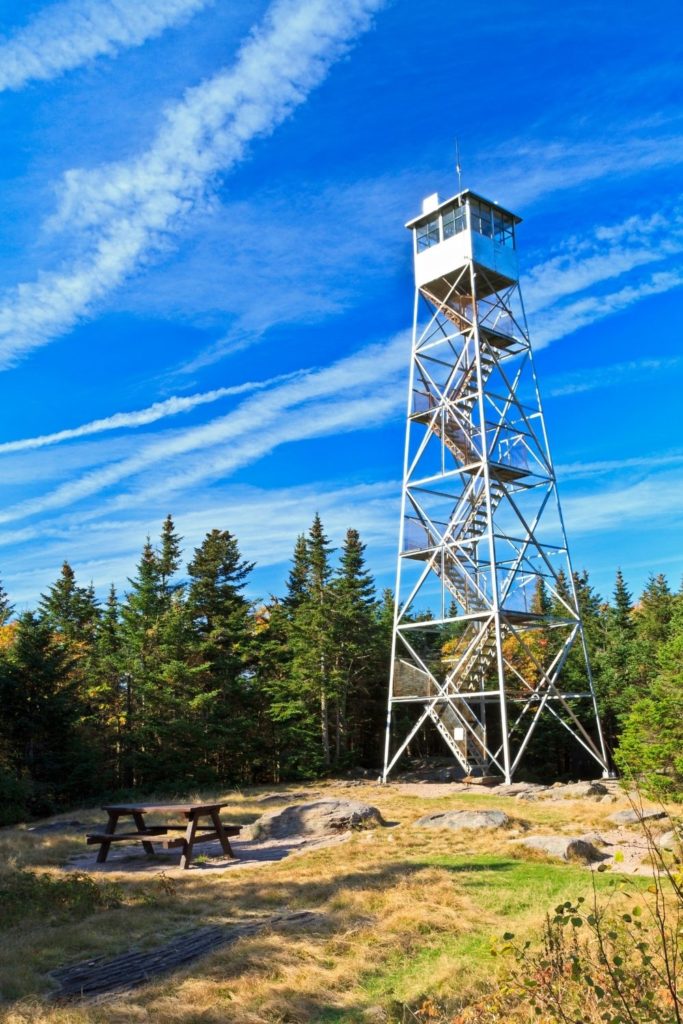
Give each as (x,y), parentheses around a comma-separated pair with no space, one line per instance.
(564,847)
(457,821)
(632,817)
(319,818)
(99,977)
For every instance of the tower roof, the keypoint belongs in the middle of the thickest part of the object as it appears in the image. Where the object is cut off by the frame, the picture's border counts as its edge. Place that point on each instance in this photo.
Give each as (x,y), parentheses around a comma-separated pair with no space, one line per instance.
(459,198)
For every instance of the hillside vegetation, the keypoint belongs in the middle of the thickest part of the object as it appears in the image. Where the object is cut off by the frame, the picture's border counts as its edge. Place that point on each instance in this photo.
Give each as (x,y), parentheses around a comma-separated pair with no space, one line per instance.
(185,683)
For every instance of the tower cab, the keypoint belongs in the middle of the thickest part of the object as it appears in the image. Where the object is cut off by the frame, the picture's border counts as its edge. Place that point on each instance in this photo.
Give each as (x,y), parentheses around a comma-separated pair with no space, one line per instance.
(466,230)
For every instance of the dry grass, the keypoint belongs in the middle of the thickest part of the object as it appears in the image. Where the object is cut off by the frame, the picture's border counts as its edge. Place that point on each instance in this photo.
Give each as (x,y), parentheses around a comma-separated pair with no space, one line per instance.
(403,912)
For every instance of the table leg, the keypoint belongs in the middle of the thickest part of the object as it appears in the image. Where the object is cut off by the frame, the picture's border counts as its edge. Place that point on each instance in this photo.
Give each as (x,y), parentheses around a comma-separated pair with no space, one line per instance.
(224,841)
(186,856)
(140,825)
(110,830)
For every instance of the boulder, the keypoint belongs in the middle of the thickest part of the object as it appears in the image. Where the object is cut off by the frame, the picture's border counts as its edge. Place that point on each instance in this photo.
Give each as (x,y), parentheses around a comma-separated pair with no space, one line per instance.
(320,818)
(632,817)
(576,791)
(670,841)
(563,847)
(458,820)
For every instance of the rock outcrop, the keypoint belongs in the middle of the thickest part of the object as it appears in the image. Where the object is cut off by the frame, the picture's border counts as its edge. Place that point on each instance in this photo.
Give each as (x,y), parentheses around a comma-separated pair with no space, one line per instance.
(319,818)
(456,821)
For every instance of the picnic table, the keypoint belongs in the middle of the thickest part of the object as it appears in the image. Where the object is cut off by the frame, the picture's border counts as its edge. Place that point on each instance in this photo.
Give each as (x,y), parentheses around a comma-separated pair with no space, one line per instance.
(163,835)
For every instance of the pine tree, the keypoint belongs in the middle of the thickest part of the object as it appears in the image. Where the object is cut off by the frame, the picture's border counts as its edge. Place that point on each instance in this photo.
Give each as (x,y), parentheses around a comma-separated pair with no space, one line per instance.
(140,614)
(652,617)
(40,714)
(68,609)
(297,581)
(312,640)
(221,617)
(6,609)
(218,576)
(614,679)
(651,745)
(355,634)
(107,718)
(169,557)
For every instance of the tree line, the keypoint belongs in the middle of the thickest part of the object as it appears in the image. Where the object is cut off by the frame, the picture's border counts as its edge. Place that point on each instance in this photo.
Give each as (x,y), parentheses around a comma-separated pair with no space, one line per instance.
(183,682)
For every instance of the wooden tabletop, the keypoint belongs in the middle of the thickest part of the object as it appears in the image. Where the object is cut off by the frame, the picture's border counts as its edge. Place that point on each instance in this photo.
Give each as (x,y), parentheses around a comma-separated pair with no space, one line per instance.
(160,808)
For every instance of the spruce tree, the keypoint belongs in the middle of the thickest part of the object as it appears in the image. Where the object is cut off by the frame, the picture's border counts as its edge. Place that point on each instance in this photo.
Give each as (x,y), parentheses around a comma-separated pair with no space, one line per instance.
(354,677)
(169,557)
(652,618)
(312,641)
(140,617)
(615,660)
(69,609)
(297,581)
(221,617)
(41,715)
(6,608)
(651,745)
(108,689)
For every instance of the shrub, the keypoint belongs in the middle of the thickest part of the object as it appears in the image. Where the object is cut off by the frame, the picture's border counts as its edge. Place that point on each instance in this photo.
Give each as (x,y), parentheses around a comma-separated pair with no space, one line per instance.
(27,894)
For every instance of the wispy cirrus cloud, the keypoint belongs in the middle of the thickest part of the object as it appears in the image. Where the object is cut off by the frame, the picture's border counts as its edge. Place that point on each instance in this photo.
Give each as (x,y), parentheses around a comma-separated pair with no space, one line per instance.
(602,510)
(108,549)
(141,417)
(648,463)
(610,251)
(63,36)
(120,213)
(354,393)
(559,321)
(593,378)
(527,171)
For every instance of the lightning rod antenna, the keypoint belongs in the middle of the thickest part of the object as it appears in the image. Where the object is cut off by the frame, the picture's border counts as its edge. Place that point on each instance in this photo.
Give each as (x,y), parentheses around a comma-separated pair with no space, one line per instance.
(458,168)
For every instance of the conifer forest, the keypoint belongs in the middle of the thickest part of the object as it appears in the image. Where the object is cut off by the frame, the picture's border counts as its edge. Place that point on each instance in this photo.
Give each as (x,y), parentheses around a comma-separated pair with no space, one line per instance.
(182,682)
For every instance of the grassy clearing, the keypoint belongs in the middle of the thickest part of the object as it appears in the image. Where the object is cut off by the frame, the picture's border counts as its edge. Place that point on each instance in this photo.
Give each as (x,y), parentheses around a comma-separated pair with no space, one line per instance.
(404,912)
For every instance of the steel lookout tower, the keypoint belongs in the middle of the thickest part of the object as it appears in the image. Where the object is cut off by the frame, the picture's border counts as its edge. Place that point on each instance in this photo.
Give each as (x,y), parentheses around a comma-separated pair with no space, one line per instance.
(486,606)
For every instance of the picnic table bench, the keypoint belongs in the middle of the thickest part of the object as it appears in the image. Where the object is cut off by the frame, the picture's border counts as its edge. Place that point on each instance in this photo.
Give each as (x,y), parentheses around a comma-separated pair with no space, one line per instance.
(162,835)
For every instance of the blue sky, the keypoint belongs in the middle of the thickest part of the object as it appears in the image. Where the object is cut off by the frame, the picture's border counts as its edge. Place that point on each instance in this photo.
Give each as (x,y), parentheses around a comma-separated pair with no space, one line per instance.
(206,286)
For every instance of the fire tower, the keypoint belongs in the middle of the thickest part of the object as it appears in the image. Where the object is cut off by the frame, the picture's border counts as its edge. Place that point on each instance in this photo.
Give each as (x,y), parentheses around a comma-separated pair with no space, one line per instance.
(486,607)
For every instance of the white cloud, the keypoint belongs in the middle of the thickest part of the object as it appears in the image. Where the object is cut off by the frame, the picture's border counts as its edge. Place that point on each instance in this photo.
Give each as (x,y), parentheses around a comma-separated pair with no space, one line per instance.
(124,211)
(559,321)
(595,377)
(65,35)
(266,523)
(601,467)
(660,496)
(583,262)
(354,393)
(527,170)
(141,417)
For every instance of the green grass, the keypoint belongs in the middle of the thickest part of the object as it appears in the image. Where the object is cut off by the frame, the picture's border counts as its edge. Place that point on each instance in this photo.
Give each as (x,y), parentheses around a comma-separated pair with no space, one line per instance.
(504,886)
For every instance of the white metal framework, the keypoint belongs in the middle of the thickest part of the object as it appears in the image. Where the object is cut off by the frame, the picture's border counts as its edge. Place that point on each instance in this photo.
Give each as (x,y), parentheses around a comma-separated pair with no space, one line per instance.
(486,607)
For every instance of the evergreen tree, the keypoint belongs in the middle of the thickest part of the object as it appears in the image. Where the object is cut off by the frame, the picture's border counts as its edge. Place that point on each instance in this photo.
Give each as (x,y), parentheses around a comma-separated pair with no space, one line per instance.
(356,654)
(312,636)
(614,680)
(107,719)
(6,608)
(651,745)
(68,609)
(169,557)
(40,714)
(221,616)
(297,581)
(652,618)
(140,617)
